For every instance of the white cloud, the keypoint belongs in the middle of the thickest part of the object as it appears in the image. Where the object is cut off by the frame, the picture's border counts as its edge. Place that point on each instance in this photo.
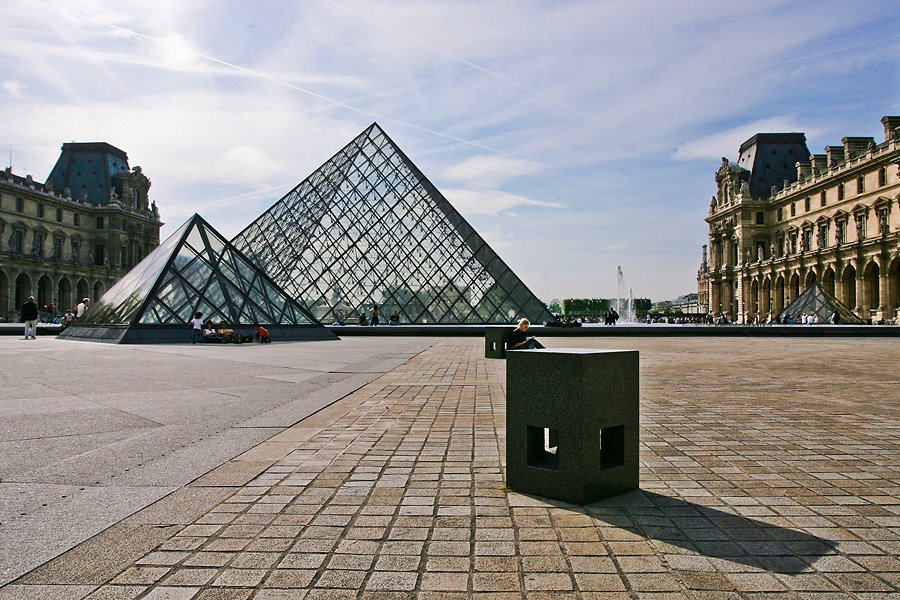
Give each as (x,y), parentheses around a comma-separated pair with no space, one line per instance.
(487,171)
(726,143)
(13,88)
(491,202)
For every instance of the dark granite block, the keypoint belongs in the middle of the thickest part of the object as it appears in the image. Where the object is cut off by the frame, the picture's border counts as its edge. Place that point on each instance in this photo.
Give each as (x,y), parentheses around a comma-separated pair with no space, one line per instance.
(572,423)
(495,341)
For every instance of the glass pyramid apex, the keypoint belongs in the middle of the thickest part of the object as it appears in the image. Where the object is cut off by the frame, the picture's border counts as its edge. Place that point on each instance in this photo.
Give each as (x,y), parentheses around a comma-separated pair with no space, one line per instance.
(368,228)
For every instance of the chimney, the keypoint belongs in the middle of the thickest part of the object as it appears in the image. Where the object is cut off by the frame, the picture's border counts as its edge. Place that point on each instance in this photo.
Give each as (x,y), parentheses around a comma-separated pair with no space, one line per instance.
(891,128)
(856,146)
(704,263)
(819,163)
(804,170)
(835,155)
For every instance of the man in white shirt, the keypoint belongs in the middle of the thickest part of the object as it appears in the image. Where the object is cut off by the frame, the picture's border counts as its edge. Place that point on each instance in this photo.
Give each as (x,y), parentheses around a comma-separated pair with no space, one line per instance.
(82,308)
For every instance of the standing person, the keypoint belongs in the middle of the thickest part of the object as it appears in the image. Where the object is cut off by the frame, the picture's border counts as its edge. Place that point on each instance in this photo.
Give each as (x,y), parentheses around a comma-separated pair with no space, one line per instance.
(375,314)
(82,308)
(197,328)
(835,318)
(29,317)
(519,341)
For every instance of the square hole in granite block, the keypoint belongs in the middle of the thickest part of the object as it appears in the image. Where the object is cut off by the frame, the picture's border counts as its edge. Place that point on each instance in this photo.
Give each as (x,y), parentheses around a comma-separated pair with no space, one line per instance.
(543,447)
(612,447)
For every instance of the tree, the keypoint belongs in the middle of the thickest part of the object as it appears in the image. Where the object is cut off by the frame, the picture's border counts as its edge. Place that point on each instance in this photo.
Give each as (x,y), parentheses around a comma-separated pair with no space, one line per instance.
(555,306)
(641,307)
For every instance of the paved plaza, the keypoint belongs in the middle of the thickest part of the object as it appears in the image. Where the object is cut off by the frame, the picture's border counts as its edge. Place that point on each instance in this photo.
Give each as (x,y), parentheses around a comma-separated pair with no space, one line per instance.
(373,467)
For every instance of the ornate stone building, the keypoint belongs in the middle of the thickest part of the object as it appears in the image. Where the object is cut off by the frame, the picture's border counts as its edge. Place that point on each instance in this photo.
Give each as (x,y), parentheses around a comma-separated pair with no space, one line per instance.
(77,234)
(783,218)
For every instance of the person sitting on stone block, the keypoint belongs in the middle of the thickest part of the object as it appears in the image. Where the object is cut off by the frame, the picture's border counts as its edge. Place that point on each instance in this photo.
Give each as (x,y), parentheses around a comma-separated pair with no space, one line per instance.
(519,341)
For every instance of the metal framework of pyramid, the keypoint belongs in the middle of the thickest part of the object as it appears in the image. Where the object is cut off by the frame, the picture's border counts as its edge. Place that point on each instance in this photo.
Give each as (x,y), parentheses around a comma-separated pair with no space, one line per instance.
(816,300)
(368,228)
(193,270)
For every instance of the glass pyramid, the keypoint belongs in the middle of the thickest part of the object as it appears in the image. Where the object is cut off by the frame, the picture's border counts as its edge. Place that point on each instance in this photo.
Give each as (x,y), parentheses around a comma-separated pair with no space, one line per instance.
(817,301)
(194,269)
(367,227)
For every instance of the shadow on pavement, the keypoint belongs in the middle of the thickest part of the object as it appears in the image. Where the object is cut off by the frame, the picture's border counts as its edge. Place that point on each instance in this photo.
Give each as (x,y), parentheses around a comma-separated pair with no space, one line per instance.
(711,532)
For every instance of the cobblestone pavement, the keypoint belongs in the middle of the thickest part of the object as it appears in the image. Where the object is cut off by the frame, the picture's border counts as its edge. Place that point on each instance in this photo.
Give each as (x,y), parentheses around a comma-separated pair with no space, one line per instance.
(769,468)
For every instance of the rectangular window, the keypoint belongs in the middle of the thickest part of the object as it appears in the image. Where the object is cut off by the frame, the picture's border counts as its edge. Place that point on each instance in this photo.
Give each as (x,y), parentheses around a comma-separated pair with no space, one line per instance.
(823,237)
(40,211)
(37,244)
(123,259)
(99,222)
(59,215)
(882,177)
(860,184)
(99,254)
(76,249)
(840,192)
(793,209)
(17,241)
(77,220)
(807,240)
(794,243)
(840,232)
(806,204)
(760,218)
(57,248)
(20,205)
(884,223)
(823,200)
(861,226)
(780,214)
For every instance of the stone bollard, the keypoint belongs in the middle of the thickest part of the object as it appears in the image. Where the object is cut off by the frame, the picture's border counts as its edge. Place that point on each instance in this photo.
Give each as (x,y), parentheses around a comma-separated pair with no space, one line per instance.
(572,423)
(496,340)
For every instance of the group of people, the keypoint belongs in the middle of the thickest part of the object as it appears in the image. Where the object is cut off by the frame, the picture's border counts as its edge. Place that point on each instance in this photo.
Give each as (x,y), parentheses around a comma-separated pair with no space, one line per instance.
(368,321)
(31,315)
(205,331)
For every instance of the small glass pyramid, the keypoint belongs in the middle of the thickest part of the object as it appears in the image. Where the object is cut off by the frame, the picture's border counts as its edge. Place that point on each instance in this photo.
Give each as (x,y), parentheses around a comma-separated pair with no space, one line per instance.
(367,227)
(193,270)
(816,300)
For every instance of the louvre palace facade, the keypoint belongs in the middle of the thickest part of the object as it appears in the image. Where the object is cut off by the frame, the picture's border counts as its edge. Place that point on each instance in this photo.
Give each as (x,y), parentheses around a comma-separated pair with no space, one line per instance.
(76,234)
(783,218)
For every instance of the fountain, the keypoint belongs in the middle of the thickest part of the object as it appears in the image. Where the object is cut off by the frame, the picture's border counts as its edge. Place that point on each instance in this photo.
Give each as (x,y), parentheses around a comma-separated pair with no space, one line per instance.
(624,307)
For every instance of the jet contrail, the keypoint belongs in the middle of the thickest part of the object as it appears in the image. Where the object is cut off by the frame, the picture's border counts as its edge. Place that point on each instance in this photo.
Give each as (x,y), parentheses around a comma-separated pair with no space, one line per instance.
(278,81)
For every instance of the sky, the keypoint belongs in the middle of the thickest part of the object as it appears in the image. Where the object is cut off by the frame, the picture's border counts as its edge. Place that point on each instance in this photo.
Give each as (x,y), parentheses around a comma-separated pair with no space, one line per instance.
(575,136)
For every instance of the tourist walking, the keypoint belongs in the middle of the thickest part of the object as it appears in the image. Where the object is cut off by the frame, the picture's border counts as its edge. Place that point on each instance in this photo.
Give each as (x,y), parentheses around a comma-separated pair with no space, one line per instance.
(30,317)
(375,314)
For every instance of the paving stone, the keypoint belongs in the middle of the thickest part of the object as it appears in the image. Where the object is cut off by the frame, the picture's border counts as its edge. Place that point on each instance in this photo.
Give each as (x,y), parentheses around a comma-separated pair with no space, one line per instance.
(757,493)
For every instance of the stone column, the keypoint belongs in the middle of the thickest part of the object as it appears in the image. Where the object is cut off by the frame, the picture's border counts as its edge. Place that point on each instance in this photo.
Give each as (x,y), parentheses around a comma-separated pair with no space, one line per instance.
(883,290)
(860,293)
